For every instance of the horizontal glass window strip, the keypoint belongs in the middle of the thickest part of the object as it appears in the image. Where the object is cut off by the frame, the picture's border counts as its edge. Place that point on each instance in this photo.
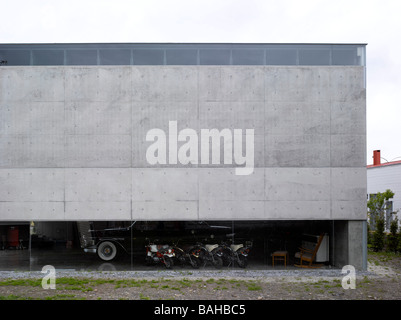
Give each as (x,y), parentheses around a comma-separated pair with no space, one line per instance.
(115,57)
(15,57)
(48,57)
(181,57)
(148,57)
(81,57)
(214,57)
(286,57)
(248,57)
(310,57)
(344,57)
(183,54)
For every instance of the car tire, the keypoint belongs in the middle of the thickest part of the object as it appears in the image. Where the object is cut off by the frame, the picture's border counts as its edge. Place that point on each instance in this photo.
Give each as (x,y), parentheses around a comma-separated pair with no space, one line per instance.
(107,251)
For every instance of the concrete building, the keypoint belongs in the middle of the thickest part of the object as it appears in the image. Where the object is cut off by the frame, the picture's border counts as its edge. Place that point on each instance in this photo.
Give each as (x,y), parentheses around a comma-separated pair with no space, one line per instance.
(382,176)
(76,124)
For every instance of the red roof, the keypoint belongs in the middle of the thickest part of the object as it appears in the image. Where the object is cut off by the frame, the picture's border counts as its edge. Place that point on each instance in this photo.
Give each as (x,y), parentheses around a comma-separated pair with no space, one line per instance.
(383,164)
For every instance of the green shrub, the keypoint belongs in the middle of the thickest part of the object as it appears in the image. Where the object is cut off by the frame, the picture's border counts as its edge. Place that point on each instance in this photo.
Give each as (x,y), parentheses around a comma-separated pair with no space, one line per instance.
(378,235)
(393,238)
(399,241)
(369,236)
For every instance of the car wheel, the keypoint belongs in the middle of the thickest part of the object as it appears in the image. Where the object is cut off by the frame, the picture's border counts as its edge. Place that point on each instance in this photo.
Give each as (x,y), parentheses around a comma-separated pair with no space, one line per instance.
(107,251)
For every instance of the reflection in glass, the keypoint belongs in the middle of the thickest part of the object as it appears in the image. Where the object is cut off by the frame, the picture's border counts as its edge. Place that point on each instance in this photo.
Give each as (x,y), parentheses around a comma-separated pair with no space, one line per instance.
(81,57)
(16,57)
(48,57)
(281,57)
(344,57)
(181,57)
(311,57)
(148,57)
(214,57)
(248,57)
(183,54)
(115,57)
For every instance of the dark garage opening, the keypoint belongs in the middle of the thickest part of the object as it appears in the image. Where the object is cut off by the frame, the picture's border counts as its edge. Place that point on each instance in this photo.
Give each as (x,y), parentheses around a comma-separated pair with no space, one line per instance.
(63,244)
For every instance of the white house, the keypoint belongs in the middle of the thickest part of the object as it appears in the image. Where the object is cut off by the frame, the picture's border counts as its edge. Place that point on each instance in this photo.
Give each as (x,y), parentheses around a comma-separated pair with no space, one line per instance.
(383,176)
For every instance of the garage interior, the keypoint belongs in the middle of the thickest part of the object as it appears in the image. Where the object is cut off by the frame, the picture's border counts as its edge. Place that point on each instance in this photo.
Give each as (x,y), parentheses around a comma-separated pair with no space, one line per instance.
(30,246)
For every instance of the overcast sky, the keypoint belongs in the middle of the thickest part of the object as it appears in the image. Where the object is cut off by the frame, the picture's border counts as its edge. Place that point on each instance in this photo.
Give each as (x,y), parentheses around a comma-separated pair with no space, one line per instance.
(374,22)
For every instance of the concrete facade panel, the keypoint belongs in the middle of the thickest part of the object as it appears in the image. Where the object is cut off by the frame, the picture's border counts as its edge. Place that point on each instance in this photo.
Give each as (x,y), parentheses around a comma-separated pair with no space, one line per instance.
(235,209)
(169,184)
(98,184)
(223,184)
(348,117)
(110,151)
(31,185)
(232,115)
(32,151)
(297,150)
(301,184)
(297,118)
(301,84)
(32,118)
(164,83)
(98,84)
(89,124)
(347,84)
(238,83)
(151,115)
(35,210)
(348,210)
(97,210)
(348,150)
(32,84)
(93,118)
(348,184)
(292,210)
(165,210)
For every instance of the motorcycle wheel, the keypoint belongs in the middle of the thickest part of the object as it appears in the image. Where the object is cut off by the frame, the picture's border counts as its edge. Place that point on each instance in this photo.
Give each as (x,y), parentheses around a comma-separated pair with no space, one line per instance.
(148,261)
(179,258)
(217,262)
(195,262)
(107,251)
(242,261)
(168,262)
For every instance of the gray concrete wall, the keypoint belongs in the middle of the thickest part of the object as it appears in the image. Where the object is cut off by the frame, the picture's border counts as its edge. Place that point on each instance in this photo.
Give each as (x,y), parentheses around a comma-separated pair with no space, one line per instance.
(72,142)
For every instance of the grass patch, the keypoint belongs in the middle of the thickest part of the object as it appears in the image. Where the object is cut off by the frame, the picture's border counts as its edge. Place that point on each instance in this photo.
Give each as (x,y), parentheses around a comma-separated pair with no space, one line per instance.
(14,297)
(142,297)
(254,287)
(22,282)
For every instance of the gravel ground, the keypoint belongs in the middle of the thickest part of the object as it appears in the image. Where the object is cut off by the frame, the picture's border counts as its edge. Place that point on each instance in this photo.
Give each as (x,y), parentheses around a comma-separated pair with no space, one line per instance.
(382,281)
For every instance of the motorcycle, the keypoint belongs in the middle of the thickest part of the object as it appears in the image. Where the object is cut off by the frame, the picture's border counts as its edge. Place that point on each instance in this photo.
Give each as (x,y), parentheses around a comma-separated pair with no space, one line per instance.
(236,253)
(209,253)
(184,256)
(159,254)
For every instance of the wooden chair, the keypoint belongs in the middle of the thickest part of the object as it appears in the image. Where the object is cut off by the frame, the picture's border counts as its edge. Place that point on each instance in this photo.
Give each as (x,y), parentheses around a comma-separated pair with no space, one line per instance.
(309,255)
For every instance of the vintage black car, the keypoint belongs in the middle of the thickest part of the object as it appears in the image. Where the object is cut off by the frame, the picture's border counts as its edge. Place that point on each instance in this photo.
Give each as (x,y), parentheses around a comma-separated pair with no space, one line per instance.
(111,239)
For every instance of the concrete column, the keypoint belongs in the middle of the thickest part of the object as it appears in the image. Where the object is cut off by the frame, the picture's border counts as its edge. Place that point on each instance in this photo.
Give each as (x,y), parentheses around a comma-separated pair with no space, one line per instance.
(350,244)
